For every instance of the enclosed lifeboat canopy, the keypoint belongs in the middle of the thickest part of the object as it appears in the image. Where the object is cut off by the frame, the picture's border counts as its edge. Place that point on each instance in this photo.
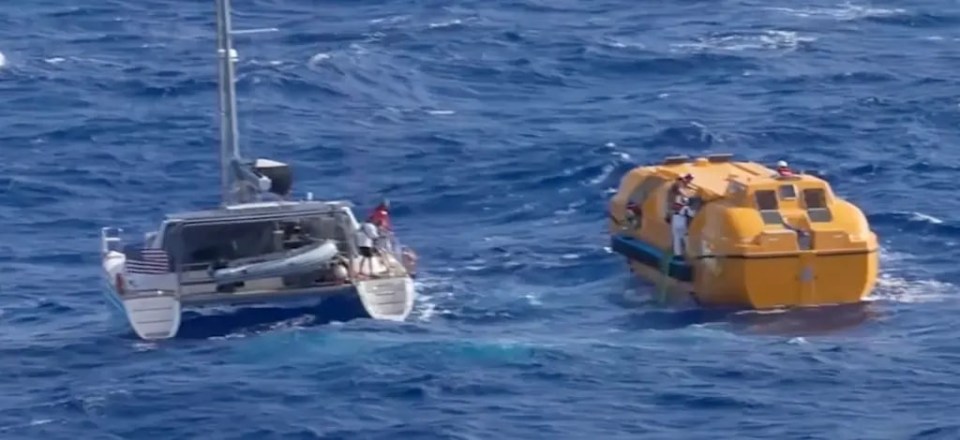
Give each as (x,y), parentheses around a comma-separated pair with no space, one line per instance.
(757,238)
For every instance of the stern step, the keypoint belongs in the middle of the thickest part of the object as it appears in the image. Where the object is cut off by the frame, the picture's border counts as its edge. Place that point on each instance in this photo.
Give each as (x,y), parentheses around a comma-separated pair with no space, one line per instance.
(153,317)
(387,298)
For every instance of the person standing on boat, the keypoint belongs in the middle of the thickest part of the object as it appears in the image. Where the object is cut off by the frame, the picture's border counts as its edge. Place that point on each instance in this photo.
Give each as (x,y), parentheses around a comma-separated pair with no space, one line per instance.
(366,235)
(680,211)
(679,221)
(380,217)
(680,187)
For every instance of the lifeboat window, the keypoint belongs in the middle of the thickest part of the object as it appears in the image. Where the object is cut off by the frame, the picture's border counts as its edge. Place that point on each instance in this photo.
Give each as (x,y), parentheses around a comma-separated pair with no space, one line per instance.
(788,192)
(769,207)
(767,200)
(814,198)
(816,203)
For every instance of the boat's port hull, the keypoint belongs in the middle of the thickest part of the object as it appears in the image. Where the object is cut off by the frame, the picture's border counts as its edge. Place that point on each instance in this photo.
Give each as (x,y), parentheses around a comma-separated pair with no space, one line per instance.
(757,282)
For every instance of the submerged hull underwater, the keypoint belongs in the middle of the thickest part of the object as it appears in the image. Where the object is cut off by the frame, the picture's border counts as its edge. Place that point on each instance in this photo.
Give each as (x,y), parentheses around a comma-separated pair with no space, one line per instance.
(757,242)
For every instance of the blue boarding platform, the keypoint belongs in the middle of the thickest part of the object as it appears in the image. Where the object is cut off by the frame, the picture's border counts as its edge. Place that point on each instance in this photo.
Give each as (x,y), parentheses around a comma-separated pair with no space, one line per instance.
(644,253)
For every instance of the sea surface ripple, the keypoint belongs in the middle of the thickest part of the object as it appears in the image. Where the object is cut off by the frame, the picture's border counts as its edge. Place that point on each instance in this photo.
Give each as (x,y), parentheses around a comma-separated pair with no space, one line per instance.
(498,129)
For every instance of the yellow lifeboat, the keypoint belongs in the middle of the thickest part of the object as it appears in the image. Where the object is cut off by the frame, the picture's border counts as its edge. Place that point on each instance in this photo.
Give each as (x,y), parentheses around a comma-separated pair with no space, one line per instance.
(756,239)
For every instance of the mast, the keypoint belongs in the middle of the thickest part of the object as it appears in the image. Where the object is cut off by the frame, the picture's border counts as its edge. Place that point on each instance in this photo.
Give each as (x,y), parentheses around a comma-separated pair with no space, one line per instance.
(241,181)
(229,134)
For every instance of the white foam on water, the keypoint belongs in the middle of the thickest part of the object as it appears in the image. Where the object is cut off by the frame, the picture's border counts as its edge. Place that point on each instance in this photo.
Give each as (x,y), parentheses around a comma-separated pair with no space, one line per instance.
(446,24)
(842,12)
(317,59)
(892,286)
(901,290)
(771,39)
(921,217)
(391,20)
(429,288)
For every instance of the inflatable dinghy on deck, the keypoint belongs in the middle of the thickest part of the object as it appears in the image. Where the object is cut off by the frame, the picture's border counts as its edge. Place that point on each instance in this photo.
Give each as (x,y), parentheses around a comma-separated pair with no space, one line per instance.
(298,261)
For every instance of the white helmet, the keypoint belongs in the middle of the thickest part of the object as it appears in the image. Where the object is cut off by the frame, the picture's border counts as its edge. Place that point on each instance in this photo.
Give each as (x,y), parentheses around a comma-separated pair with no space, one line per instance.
(781,164)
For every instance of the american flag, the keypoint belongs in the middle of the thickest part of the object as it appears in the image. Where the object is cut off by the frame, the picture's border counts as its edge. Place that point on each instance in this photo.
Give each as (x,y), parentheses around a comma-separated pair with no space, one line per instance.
(148,262)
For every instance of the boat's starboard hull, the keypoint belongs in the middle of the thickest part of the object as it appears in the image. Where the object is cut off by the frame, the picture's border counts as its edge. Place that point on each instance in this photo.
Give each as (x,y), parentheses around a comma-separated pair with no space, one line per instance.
(387,298)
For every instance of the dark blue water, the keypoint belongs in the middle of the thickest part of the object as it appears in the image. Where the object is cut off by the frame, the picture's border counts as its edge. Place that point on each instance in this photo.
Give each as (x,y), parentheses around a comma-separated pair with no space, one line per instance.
(498,129)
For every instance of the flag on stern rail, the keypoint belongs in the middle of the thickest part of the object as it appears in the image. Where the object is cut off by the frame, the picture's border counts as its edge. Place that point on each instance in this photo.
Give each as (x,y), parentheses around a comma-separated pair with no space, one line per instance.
(148,262)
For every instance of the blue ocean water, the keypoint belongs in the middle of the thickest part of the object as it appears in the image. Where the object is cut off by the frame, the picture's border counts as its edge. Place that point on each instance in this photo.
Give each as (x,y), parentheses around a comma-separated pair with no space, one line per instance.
(498,129)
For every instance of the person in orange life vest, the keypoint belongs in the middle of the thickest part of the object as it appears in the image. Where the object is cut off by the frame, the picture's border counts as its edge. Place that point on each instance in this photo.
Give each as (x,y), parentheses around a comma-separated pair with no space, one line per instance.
(783,170)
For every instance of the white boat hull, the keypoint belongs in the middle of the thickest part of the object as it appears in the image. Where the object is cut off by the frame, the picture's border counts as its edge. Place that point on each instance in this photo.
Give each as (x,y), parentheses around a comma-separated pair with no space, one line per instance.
(153,317)
(154,310)
(387,298)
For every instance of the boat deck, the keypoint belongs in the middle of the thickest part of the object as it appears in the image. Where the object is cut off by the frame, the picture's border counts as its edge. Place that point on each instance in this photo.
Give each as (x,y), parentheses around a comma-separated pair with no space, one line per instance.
(380,270)
(380,267)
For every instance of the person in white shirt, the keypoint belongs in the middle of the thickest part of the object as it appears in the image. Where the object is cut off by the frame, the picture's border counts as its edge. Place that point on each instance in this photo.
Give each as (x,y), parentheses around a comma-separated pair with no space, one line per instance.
(366,235)
(678,223)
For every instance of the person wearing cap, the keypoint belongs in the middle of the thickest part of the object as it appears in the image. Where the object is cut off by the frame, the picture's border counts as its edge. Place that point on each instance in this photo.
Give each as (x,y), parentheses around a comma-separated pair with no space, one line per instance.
(783,170)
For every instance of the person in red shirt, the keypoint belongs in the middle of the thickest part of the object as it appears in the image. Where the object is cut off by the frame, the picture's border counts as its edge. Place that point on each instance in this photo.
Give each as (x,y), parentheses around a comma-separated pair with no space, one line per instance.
(380,216)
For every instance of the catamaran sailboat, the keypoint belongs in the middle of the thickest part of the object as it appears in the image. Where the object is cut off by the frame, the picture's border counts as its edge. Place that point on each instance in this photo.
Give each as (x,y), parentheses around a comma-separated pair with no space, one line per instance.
(257,247)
